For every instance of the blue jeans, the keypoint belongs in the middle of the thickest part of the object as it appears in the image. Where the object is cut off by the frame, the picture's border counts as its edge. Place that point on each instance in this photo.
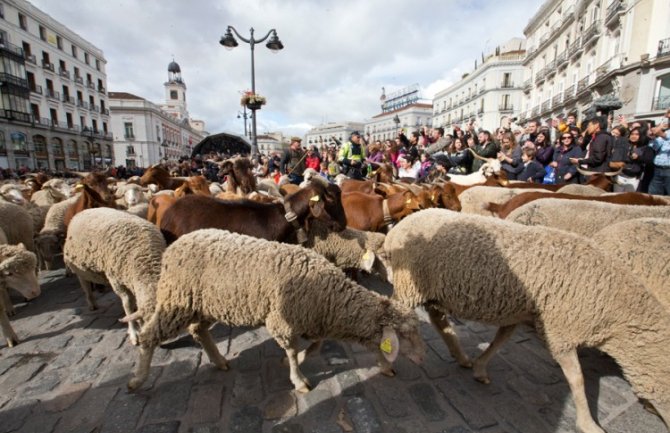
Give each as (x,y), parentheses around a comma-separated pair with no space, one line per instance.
(660,183)
(295,179)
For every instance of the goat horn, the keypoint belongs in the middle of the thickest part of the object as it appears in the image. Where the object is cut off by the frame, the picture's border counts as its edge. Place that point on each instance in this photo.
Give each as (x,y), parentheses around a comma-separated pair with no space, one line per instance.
(591,173)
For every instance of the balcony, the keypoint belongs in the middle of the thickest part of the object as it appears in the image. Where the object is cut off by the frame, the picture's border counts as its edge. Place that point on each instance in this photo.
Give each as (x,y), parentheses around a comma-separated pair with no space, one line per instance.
(583,85)
(64,73)
(661,103)
(539,77)
(11,49)
(52,94)
(129,137)
(57,152)
(11,79)
(546,106)
(603,70)
(15,115)
(663,48)
(590,35)
(551,69)
(94,107)
(30,58)
(48,66)
(104,111)
(557,100)
(42,121)
(614,11)
(575,49)
(78,80)
(90,85)
(562,60)
(535,112)
(482,90)
(507,85)
(527,85)
(82,104)
(73,154)
(68,100)
(569,93)
(101,89)
(505,108)
(130,153)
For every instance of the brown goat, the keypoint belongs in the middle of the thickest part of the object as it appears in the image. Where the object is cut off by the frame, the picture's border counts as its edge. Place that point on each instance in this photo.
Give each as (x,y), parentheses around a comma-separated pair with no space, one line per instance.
(628,198)
(88,199)
(157,207)
(160,176)
(239,175)
(366,211)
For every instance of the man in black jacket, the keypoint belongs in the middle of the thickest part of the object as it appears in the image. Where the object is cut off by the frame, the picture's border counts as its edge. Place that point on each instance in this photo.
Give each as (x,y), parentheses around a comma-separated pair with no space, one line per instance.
(600,147)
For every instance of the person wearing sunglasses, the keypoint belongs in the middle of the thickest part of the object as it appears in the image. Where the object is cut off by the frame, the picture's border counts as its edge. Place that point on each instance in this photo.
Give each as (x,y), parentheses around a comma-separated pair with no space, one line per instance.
(566,172)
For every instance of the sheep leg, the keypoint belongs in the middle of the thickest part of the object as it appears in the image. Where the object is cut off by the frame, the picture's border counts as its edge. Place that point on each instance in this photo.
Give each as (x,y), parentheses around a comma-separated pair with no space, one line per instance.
(86,287)
(298,380)
(7,330)
(316,345)
(480,363)
(441,323)
(200,333)
(143,367)
(7,302)
(573,373)
(129,307)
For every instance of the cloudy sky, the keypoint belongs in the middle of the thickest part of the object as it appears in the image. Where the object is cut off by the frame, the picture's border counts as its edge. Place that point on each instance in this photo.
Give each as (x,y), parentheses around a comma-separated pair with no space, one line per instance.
(337,54)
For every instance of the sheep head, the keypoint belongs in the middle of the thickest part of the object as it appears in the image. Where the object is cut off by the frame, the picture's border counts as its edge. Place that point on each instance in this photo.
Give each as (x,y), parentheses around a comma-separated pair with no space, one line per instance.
(17,270)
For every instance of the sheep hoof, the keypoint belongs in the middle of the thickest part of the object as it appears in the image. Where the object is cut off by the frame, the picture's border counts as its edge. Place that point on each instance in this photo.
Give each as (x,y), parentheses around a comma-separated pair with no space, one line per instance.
(388,373)
(303,389)
(134,340)
(92,307)
(465,364)
(10,312)
(222,366)
(483,379)
(11,342)
(133,384)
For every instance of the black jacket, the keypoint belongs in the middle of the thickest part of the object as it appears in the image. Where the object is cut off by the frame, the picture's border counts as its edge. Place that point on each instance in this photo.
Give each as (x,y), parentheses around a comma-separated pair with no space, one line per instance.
(600,152)
(533,172)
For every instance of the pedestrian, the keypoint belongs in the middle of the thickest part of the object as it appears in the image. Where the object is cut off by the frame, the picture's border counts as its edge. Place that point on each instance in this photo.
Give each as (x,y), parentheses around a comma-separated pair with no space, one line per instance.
(599,148)
(352,156)
(293,162)
(533,171)
(660,182)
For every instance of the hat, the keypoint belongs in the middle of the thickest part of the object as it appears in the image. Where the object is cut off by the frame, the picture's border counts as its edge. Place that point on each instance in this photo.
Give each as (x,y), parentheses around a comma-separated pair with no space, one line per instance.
(355,133)
(298,139)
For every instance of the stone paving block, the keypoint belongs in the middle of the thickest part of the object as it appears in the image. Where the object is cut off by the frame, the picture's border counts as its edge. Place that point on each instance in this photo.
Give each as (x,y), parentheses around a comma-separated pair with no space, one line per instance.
(428,331)
(272,349)
(528,391)
(64,396)
(350,383)
(318,404)
(22,372)
(434,366)
(393,399)
(87,370)
(8,362)
(111,341)
(635,419)
(281,405)
(40,423)
(168,427)
(406,426)
(406,370)
(425,398)
(363,415)
(55,343)
(288,428)
(276,375)
(439,346)
(168,401)
(182,367)
(124,412)
(469,407)
(205,428)
(71,356)
(87,411)
(247,390)
(247,419)
(205,403)
(15,414)
(41,384)
(115,373)
(248,360)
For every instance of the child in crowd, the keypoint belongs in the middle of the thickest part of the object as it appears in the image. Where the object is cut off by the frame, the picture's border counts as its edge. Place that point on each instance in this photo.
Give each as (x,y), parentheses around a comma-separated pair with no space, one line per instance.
(532,171)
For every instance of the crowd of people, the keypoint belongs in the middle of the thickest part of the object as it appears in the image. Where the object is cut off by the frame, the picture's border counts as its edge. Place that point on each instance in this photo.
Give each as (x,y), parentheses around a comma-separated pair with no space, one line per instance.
(638,152)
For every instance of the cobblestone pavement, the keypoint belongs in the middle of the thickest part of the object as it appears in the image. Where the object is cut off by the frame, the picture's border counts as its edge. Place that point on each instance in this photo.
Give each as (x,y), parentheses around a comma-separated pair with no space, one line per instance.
(69,373)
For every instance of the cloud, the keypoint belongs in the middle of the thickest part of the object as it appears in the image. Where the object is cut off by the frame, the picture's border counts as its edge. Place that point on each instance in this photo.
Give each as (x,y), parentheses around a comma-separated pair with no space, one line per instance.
(338,53)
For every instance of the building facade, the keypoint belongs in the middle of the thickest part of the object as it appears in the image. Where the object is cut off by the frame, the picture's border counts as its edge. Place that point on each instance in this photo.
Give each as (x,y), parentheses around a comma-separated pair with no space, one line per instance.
(491,94)
(54,110)
(271,142)
(324,135)
(581,50)
(411,117)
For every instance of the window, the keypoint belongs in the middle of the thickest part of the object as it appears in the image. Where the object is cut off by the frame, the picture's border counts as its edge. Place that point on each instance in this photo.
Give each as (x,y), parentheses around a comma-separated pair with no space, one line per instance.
(74,51)
(2,15)
(77,74)
(104,127)
(43,33)
(97,64)
(54,116)
(40,144)
(3,144)
(662,100)
(86,59)
(80,97)
(94,124)
(31,80)
(68,119)
(35,111)
(18,141)
(23,22)
(174,94)
(26,49)
(128,130)
(507,80)
(505,102)
(62,66)
(59,42)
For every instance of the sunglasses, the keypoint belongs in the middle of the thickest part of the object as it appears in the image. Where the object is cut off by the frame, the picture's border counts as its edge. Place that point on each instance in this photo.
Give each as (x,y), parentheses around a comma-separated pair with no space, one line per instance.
(567,136)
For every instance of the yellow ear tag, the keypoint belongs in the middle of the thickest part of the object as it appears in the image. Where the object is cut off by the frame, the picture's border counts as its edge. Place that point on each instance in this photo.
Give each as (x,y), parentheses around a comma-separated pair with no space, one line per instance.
(409,200)
(386,346)
(79,187)
(315,198)
(366,256)
(432,197)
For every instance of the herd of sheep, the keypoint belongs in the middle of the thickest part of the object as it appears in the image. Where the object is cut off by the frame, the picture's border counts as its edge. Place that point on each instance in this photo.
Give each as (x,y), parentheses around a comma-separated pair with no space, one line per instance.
(583,273)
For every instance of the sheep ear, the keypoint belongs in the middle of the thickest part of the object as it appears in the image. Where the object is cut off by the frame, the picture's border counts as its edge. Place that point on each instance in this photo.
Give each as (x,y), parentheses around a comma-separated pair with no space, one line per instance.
(367,261)
(390,345)
(316,207)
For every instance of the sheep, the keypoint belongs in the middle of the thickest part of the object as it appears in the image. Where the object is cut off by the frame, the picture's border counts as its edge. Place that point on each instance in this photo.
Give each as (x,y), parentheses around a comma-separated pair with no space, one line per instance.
(581,217)
(473,200)
(350,248)
(270,187)
(141,210)
(129,195)
(17,271)
(215,188)
(106,245)
(49,241)
(17,224)
(52,192)
(484,269)
(295,293)
(578,189)
(642,245)
(13,193)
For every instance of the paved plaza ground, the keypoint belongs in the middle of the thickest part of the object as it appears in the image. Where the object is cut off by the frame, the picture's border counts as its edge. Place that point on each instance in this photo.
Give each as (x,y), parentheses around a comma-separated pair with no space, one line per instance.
(70,371)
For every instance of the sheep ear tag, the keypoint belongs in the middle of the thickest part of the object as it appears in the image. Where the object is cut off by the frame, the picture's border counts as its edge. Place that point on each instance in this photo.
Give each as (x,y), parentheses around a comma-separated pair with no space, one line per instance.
(314,198)
(390,345)
(367,261)
(408,201)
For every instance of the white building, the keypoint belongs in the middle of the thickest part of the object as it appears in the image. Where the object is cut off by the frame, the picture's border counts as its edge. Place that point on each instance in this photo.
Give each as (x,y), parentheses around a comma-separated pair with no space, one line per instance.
(580,50)
(411,117)
(54,108)
(323,135)
(491,94)
(145,133)
(271,142)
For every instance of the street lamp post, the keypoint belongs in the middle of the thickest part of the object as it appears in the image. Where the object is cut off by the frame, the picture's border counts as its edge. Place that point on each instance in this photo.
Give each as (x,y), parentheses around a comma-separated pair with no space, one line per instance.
(274,44)
(245,116)
(396,120)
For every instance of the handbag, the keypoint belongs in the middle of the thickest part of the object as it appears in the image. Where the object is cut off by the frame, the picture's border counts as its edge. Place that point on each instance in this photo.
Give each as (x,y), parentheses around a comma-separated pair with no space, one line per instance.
(550,176)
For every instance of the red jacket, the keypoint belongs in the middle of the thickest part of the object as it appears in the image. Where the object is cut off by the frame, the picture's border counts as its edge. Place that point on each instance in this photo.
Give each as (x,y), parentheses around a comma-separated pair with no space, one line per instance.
(313,162)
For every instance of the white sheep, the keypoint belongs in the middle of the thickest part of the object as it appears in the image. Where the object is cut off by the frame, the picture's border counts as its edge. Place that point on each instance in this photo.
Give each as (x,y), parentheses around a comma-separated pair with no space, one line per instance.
(141,210)
(52,192)
(578,189)
(17,271)
(49,241)
(106,245)
(17,224)
(484,269)
(350,248)
(130,194)
(13,193)
(642,246)
(581,216)
(212,276)
(473,200)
